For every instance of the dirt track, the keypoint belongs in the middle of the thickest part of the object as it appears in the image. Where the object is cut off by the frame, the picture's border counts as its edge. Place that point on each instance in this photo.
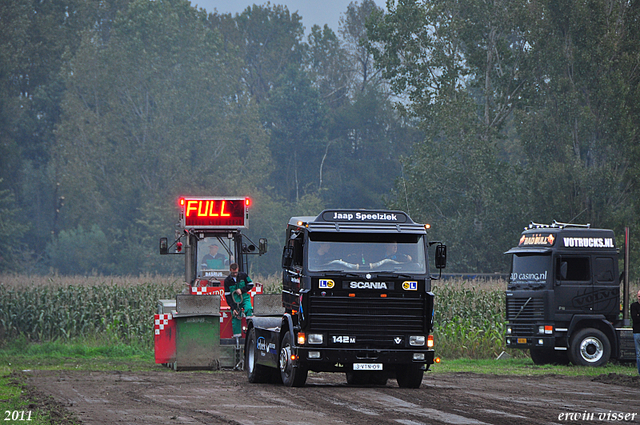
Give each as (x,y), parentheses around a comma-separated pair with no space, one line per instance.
(225,397)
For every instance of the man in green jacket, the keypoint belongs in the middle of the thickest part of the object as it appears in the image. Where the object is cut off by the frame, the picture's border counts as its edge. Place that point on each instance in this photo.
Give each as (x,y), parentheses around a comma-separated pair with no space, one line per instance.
(236,291)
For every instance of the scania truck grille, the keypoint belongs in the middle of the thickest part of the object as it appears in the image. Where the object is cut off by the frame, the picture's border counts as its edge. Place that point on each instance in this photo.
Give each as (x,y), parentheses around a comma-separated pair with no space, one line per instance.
(371,320)
(525,309)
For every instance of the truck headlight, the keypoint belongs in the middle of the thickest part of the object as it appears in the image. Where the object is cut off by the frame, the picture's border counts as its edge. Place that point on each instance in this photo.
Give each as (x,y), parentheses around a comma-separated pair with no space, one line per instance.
(417,340)
(315,339)
(418,356)
(508,330)
(545,329)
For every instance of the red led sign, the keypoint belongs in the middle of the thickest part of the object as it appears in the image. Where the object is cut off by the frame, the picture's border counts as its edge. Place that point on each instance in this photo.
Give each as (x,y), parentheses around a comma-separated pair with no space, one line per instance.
(214,212)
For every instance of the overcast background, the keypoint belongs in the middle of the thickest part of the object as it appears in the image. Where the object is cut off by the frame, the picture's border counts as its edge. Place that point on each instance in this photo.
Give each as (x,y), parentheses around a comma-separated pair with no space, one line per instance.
(313,12)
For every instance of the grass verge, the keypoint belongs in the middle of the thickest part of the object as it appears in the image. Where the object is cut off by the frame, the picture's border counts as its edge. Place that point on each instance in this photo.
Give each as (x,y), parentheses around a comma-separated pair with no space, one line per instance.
(20,403)
(526,367)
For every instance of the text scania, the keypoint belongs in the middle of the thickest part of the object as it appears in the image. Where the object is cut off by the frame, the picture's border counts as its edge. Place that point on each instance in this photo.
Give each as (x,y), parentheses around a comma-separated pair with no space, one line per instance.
(368,285)
(588,242)
(365,217)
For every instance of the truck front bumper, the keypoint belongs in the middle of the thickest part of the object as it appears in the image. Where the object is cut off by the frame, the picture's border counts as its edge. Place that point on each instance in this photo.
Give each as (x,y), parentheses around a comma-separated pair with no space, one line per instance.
(530,341)
(333,359)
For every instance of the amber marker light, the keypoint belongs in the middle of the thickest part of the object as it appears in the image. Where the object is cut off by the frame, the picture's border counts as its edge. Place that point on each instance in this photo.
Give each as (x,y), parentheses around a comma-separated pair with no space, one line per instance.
(430,341)
(437,360)
(182,202)
(247,202)
(352,295)
(383,295)
(427,226)
(302,338)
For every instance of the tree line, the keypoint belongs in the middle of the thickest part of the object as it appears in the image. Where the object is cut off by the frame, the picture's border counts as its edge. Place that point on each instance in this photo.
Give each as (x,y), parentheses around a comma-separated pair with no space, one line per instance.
(474,116)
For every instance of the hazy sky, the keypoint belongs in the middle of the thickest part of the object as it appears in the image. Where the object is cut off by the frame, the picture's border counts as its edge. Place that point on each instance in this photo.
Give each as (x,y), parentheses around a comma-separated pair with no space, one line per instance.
(313,12)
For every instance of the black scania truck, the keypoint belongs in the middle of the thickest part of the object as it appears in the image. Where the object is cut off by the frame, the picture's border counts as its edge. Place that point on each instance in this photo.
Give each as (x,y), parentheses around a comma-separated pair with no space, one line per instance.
(356,298)
(563,296)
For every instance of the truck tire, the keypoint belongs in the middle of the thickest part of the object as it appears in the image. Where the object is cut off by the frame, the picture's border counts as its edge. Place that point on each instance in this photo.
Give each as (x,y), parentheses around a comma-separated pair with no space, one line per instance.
(256,373)
(409,376)
(291,376)
(589,347)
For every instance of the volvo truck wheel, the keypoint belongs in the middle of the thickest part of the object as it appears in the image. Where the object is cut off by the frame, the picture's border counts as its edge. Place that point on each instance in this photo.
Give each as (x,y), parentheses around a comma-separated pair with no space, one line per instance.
(409,376)
(590,347)
(291,376)
(255,373)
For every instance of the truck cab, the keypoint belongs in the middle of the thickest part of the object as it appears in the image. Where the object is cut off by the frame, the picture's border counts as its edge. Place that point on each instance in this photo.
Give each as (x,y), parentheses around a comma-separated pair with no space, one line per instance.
(357,299)
(563,295)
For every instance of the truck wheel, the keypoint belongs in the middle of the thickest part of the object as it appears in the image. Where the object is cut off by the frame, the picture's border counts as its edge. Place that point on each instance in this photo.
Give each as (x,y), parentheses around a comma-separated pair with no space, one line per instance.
(409,376)
(256,373)
(291,376)
(589,347)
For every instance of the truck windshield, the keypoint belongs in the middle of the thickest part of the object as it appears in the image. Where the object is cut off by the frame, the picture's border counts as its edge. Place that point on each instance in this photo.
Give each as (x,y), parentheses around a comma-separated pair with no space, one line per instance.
(214,253)
(379,253)
(531,271)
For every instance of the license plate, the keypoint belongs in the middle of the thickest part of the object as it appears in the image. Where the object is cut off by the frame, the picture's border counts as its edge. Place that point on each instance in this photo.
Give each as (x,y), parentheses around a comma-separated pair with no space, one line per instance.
(367,366)
(522,340)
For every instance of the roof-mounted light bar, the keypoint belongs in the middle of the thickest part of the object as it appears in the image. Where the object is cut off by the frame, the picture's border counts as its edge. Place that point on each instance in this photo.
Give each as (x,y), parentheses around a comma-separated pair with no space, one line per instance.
(556,225)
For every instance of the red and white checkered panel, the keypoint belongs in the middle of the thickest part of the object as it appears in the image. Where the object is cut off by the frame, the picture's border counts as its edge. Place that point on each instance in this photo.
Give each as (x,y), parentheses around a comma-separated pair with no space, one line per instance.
(160,322)
(164,339)
(207,290)
(216,290)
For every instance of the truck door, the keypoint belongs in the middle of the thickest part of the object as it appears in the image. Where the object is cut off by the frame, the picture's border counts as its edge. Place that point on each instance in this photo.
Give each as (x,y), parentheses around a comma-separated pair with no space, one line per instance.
(292,270)
(574,285)
(606,289)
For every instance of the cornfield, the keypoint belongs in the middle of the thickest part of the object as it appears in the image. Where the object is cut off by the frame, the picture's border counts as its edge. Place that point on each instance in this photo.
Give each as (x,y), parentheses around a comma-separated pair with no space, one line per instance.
(114,310)
(468,316)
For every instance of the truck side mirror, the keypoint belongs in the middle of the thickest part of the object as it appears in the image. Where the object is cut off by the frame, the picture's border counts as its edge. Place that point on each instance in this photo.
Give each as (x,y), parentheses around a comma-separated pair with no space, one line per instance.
(262,246)
(287,256)
(441,256)
(164,246)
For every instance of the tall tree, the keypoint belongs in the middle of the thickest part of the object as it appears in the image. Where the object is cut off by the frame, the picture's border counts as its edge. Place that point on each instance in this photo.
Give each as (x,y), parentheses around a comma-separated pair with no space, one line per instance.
(354,33)
(329,66)
(153,112)
(457,63)
(579,119)
(38,38)
(268,38)
(295,119)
